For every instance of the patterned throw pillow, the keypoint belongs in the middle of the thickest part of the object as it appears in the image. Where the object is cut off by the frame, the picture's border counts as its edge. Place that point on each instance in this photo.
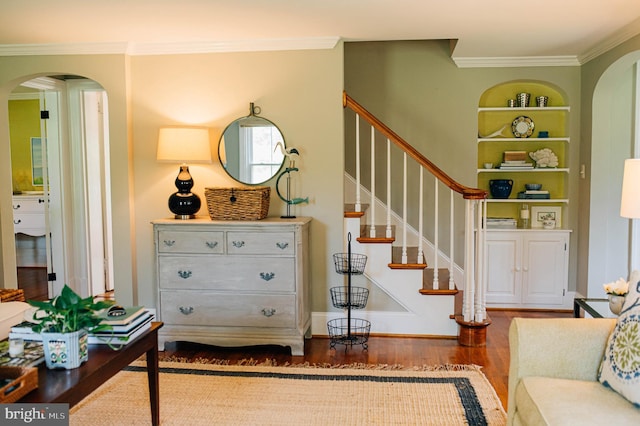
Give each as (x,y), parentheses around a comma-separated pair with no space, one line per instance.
(620,367)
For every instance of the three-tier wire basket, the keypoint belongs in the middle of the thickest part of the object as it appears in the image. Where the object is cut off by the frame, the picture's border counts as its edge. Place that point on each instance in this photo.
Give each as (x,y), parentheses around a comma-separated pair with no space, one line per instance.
(349,331)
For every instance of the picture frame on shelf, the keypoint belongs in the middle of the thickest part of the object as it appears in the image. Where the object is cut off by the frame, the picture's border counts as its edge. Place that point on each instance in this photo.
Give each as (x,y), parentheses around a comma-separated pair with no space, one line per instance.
(541,213)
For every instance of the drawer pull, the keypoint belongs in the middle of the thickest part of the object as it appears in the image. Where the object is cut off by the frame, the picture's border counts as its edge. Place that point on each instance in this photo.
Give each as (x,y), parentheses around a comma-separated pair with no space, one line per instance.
(212,244)
(16,206)
(186,311)
(238,244)
(268,312)
(40,201)
(169,243)
(282,246)
(184,274)
(17,222)
(267,276)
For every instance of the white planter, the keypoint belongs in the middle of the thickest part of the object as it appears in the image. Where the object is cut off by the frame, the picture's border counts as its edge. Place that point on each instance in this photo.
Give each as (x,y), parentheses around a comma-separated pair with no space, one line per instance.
(65,350)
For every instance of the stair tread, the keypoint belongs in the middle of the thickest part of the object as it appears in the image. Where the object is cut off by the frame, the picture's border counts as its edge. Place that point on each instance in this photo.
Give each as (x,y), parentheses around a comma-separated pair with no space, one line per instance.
(350,210)
(380,234)
(412,256)
(443,281)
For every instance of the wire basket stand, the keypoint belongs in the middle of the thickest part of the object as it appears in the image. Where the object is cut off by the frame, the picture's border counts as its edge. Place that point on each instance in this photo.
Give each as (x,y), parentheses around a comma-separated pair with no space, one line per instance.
(349,331)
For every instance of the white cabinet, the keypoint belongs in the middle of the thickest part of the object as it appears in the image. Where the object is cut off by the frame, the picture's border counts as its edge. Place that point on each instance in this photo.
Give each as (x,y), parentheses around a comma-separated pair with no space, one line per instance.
(233,283)
(29,215)
(527,269)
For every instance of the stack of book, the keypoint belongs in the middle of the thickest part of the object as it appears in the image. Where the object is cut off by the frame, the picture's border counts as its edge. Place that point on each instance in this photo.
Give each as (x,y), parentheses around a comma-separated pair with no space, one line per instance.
(125,327)
(501,223)
(23,331)
(534,194)
(516,165)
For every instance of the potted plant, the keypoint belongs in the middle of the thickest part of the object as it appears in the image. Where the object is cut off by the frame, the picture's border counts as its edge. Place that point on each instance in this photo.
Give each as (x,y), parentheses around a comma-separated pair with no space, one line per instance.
(65,322)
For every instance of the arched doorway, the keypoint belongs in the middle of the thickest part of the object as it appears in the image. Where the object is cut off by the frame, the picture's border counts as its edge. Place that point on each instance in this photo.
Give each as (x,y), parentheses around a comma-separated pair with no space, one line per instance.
(613,243)
(74,181)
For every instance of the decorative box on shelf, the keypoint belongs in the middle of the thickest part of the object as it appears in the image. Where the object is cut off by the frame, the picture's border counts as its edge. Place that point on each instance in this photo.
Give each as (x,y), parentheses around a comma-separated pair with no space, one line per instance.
(238,203)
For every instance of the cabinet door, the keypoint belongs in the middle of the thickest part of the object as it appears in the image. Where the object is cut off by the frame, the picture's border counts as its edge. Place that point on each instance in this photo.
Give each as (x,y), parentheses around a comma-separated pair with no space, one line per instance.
(545,268)
(503,268)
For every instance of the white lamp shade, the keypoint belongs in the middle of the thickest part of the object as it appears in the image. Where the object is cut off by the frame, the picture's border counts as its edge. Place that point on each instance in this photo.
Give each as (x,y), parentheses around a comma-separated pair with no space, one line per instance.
(184,145)
(630,205)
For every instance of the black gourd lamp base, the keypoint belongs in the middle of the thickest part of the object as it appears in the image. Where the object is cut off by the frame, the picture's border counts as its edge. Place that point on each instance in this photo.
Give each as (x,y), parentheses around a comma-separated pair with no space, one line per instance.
(184,204)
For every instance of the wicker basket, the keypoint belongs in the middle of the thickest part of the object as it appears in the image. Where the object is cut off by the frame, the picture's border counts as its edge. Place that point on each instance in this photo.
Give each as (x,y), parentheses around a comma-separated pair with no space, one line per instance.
(238,203)
(17,382)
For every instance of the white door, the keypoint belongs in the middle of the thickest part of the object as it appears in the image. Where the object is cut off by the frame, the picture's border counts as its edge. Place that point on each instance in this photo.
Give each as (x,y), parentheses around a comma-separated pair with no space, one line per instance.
(503,268)
(545,267)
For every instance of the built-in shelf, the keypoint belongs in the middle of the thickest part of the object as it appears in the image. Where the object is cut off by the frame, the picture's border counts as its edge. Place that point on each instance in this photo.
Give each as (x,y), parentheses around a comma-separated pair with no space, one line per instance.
(560,139)
(528,200)
(538,170)
(515,109)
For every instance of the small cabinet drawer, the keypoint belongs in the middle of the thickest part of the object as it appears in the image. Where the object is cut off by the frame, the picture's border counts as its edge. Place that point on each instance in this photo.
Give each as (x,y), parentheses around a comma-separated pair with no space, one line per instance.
(207,242)
(270,243)
(228,310)
(270,274)
(28,204)
(31,224)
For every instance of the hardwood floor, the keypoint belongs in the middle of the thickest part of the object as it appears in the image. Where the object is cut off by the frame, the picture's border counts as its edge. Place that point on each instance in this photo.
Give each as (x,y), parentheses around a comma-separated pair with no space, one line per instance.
(406,351)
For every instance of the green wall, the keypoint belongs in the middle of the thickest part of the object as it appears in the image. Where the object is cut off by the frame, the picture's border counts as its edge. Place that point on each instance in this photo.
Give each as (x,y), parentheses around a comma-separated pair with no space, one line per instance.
(24,116)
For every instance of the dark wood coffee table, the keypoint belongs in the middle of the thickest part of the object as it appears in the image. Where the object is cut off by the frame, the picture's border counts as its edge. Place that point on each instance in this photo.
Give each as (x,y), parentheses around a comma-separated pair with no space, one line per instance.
(71,386)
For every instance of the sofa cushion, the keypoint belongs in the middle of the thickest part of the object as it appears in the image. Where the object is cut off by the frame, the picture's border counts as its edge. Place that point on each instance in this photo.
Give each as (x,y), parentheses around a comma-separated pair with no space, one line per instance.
(620,367)
(551,401)
(11,313)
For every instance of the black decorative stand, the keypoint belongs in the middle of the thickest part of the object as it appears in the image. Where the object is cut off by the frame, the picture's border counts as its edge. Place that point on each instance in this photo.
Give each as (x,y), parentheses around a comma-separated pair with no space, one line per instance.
(349,331)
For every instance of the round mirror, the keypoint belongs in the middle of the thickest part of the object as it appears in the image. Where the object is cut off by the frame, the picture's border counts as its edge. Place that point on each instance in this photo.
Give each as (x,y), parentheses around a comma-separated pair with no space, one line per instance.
(251,149)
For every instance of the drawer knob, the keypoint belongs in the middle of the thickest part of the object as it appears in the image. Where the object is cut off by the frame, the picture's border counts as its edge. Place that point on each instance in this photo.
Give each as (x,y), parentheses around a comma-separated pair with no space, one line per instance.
(268,312)
(40,201)
(169,243)
(267,276)
(238,244)
(17,222)
(184,274)
(16,206)
(282,246)
(212,244)
(186,311)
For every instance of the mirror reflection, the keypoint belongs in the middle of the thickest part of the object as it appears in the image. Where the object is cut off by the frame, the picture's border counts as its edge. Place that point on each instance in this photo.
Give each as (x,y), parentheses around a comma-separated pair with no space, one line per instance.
(249,151)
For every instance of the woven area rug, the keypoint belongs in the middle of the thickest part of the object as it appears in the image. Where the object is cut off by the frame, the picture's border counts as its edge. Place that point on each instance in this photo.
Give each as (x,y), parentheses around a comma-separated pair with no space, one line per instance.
(205,394)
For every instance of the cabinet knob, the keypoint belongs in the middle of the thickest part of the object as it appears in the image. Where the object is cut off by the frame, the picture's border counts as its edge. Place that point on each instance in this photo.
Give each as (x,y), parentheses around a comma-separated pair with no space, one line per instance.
(186,311)
(268,312)
(212,244)
(267,276)
(169,243)
(40,200)
(184,274)
(238,244)
(16,206)
(517,269)
(17,222)
(282,246)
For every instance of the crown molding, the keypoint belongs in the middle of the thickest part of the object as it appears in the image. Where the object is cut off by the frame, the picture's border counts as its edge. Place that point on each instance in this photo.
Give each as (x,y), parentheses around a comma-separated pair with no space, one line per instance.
(516,61)
(140,49)
(616,39)
(62,49)
(258,45)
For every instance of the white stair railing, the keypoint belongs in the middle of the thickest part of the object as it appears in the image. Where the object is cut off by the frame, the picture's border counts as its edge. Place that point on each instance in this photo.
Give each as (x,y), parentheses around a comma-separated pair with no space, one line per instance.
(474,300)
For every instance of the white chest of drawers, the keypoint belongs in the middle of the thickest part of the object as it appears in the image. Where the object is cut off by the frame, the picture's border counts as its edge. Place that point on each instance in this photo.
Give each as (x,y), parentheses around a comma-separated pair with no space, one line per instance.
(231,283)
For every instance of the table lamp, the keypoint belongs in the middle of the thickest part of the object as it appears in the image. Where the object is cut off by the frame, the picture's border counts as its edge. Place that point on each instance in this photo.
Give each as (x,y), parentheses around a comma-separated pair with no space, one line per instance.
(630,204)
(184,145)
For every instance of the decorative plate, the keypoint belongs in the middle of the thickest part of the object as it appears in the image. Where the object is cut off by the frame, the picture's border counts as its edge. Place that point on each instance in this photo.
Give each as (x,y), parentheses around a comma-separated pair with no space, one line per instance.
(522,127)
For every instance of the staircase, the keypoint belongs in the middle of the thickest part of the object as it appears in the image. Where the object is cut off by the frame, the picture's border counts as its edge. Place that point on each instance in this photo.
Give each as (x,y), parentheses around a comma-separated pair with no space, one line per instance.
(410,234)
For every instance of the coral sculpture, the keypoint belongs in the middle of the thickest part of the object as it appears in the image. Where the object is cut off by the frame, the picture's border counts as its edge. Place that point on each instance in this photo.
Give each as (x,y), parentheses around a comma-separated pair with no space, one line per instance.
(544,158)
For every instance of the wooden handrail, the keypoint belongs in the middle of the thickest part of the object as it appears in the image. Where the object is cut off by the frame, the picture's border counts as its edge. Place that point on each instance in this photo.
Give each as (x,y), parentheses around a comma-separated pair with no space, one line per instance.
(466,191)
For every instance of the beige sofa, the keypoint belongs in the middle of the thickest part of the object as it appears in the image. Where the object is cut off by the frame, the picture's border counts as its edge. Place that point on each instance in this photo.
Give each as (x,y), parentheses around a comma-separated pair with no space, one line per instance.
(553,374)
